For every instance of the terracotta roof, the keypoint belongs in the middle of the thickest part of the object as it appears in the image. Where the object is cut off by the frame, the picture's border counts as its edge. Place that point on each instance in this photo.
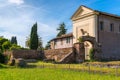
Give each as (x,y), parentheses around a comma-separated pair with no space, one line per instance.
(64,36)
(108,14)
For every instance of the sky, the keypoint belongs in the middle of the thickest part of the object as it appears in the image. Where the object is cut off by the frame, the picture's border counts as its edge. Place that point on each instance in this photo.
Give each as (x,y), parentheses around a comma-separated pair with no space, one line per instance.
(18,16)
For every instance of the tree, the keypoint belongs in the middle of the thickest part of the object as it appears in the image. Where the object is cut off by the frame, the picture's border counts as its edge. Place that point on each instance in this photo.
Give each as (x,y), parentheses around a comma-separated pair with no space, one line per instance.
(61,30)
(47,45)
(6,45)
(13,40)
(15,47)
(27,43)
(2,41)
(34,37)
(40,44)
(2,58)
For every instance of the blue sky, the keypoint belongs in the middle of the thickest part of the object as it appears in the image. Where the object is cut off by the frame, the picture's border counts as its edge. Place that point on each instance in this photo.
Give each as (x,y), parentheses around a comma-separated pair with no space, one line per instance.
(18,16)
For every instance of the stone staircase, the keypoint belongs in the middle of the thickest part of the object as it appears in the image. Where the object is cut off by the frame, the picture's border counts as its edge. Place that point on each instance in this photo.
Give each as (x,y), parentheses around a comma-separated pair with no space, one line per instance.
(59,55)
(69,58)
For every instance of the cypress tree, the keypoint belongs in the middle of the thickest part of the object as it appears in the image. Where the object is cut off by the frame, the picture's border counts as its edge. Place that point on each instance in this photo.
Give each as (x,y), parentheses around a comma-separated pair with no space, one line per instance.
(13,40)
(34,37)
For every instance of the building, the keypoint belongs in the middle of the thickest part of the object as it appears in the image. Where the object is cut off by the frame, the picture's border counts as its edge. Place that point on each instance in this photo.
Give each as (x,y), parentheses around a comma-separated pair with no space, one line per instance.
(64,41)
(105,27)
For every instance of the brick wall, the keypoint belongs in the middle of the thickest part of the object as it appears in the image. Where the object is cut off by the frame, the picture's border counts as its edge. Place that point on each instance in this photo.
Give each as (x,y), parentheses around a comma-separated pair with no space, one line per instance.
(25,54)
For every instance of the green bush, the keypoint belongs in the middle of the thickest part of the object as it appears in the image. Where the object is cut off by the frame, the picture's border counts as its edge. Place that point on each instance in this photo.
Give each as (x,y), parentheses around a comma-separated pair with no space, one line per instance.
(2,58)
(80,39)
(91,54)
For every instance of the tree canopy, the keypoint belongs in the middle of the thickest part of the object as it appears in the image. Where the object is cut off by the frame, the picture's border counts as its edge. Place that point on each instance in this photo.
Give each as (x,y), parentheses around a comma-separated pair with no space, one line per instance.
(61,29)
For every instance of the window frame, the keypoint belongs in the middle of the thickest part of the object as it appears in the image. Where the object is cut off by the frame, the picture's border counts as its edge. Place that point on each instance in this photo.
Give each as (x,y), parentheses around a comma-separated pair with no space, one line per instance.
(101,26)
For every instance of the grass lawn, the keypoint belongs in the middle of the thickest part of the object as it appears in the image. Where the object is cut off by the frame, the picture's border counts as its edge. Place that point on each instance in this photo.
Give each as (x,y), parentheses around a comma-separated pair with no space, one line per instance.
(80,67)
(49,71)
(50,74)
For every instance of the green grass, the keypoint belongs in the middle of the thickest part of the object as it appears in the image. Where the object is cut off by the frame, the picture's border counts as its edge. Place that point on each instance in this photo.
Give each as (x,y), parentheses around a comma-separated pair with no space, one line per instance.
(50,71)
(50,74)
(81,67)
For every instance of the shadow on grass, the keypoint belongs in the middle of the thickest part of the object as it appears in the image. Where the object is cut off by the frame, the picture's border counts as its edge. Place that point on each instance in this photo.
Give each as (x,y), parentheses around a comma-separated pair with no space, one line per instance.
(3,66)
(31,66)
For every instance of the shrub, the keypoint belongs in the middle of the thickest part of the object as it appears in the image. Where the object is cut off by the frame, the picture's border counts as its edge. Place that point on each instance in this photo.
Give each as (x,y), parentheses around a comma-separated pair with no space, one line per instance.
(91,54)
(20,62)
(2,58)
(80,39)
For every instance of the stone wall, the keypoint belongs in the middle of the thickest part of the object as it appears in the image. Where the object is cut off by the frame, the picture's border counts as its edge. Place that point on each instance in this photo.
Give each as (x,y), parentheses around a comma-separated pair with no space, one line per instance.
(25,54)
(110,45)
(57,54)
(79,51)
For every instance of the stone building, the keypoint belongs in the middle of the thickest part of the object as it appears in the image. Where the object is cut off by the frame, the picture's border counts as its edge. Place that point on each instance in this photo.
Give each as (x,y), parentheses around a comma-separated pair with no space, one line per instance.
(104,27)
(64,41)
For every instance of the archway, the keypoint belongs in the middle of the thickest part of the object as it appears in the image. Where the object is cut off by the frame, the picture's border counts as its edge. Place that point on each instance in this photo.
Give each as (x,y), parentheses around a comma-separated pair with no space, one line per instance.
(87,46)
(90,42)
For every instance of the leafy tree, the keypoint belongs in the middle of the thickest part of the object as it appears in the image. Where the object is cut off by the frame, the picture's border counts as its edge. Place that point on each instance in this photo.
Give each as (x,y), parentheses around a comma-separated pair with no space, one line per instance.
(15,47)
(61,30)
(40,44)
(6,45)
(2,40)
(47,45)
(27,43)
(34,37)
(14,40)
(2,58)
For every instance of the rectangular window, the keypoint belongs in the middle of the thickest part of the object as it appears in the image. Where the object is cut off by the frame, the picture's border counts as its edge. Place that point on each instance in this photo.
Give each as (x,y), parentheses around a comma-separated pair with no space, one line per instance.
(61,41)
(67,40)
(111,27)
(55,42)
(101,26)
(119,28)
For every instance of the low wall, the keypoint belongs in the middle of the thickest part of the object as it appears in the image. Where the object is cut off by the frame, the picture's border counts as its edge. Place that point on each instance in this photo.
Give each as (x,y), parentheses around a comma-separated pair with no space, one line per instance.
(25,54)
(57,54)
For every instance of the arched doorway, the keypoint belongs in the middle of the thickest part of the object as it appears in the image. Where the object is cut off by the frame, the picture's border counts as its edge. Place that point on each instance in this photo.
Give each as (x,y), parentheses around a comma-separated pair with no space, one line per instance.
(87,46)
(89,43)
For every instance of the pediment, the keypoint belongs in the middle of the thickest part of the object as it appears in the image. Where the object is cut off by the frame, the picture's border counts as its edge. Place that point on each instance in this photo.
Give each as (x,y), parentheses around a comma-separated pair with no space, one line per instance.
(82,10)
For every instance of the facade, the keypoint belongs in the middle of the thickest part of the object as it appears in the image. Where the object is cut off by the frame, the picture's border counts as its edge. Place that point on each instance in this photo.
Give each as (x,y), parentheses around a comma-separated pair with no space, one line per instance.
(64,41)
(103,26)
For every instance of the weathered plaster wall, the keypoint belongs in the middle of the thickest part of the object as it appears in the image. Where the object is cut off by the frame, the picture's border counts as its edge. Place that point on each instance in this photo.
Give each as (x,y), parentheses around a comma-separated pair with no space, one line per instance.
(61,43)
(87,24)
(110,41)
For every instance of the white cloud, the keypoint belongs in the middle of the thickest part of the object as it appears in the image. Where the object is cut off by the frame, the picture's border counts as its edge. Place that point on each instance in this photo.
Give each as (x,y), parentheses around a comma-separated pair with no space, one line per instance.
(18,2)
(18,20)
